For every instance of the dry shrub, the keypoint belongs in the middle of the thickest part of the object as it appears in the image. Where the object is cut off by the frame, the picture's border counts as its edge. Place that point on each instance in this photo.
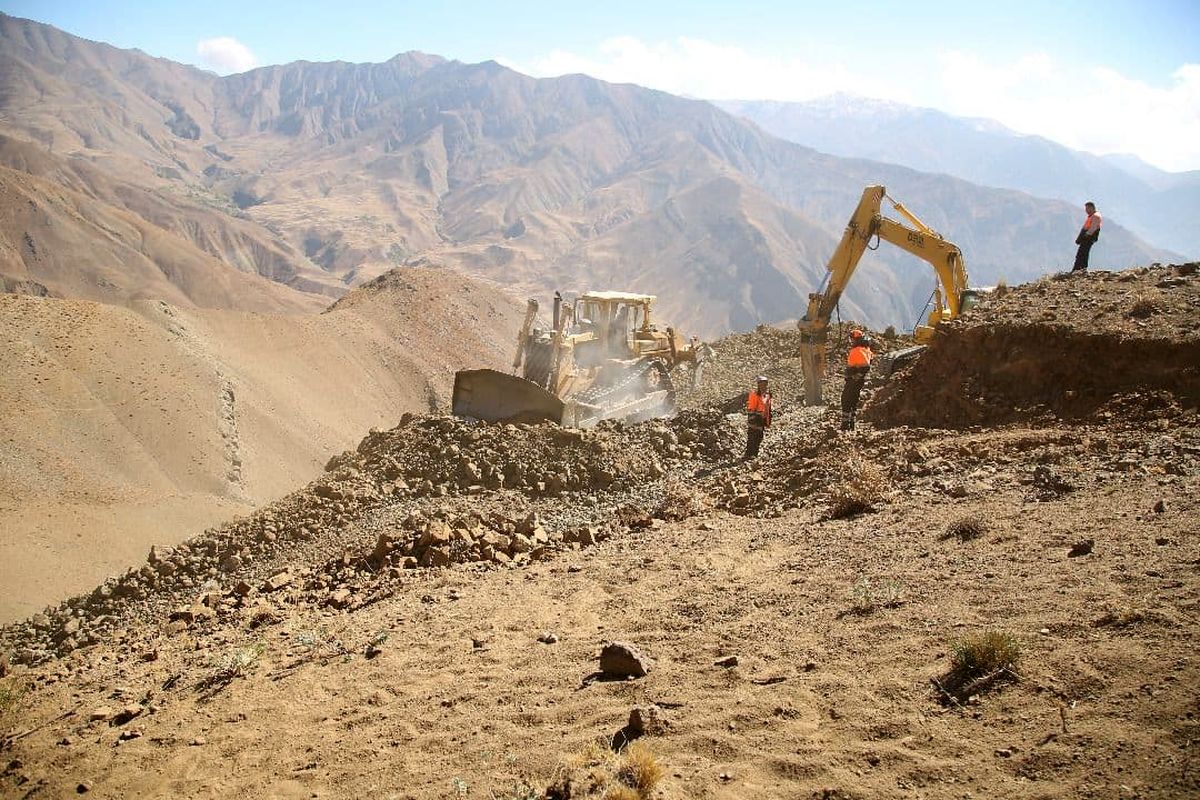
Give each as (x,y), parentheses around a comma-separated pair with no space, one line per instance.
(979,662)
(858,488)
(1143,307)
(681,500)
(621,793)
(966,528)
(234,663)
(1120,618)
(598,773)
(986,652)
(640,769)
(11,692)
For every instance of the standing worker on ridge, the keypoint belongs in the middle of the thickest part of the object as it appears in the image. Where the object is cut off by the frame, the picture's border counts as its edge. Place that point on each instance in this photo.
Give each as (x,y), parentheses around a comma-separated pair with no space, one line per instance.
(758,417)
(1087,237)
(858,364)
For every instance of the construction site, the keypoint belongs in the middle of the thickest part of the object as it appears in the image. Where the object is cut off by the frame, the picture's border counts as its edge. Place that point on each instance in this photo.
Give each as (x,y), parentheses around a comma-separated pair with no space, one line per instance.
(387,424)
(990,588)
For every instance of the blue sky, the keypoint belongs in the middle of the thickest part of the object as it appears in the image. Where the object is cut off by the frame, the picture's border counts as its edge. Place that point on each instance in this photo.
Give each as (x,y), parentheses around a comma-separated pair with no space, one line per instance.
(1099,76)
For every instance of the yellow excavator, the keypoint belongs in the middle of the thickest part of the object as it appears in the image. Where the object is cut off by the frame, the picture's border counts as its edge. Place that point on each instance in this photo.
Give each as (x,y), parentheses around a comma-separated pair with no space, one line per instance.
(951,296)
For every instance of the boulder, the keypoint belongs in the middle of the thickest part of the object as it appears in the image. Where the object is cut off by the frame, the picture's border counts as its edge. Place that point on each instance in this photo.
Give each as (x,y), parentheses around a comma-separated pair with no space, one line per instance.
(623,660)
(277,581)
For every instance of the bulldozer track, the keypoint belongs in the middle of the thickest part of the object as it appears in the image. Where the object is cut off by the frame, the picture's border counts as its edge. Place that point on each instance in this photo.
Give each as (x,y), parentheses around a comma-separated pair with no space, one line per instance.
(605,395)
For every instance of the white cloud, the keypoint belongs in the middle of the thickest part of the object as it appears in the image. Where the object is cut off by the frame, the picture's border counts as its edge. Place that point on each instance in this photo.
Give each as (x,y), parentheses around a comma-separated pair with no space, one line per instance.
(225,54)
(1088,108)
(1094,109)
(699,68)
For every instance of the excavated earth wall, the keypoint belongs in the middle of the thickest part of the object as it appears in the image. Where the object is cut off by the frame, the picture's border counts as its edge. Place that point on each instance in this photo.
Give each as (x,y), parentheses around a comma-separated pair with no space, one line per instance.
(1073,348)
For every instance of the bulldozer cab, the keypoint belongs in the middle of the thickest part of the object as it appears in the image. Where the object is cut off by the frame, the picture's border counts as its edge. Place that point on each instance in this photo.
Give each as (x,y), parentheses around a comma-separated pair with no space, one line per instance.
(611,325)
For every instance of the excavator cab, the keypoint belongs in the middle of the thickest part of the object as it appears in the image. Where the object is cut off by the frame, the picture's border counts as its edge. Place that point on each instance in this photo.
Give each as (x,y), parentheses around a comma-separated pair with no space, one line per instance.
(969,299)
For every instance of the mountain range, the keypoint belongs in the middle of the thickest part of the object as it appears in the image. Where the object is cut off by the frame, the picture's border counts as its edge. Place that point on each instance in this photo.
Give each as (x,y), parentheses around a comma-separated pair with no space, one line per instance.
(1159,206)
(287,184)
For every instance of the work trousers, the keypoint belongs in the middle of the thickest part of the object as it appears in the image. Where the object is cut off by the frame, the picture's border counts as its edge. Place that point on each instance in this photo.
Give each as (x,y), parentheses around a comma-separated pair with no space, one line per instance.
(754,437)
(1081,255)
(855,378)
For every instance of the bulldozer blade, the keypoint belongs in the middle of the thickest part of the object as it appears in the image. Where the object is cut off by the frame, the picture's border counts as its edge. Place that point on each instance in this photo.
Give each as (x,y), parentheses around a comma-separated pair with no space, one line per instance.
(492,396)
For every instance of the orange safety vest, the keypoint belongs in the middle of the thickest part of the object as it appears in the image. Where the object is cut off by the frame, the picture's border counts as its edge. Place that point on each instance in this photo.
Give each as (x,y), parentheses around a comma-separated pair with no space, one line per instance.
(760,404)
(859,356)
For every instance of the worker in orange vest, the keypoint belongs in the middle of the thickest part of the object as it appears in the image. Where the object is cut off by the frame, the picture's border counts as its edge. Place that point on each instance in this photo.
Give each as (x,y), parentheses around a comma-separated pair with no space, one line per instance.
(758,417)
(1087,237)
(858,364)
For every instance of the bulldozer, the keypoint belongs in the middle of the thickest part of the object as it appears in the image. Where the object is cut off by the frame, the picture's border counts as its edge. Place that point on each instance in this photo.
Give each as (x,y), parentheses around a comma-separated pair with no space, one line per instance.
(601,358)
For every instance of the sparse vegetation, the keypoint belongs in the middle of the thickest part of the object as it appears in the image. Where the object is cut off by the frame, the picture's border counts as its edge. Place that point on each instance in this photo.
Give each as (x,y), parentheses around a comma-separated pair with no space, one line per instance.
(966,528)
(11,692)
(1120,618)
(599,772)
(869,595)
(375,646)
(681,500)
(979,662)
(519,791)
(320,643)
(230,665)
(1143,307)
(207,197)
(860,491)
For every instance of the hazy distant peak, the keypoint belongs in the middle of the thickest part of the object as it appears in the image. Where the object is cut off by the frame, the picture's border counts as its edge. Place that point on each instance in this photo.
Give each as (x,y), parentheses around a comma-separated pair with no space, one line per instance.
(847,103)
(416,60)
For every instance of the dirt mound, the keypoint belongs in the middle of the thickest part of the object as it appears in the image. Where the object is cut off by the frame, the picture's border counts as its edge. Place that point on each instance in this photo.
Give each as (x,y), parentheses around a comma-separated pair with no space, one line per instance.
(449,492)
(1068,347)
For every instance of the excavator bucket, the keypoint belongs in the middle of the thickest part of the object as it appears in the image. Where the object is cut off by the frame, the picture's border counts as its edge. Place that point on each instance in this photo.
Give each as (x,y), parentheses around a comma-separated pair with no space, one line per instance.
(492,396)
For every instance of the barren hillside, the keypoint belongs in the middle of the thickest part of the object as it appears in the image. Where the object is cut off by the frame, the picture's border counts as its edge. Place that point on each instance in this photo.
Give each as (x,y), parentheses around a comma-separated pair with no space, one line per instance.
(136,426)
(332,173)
(1005,607)
(57,242)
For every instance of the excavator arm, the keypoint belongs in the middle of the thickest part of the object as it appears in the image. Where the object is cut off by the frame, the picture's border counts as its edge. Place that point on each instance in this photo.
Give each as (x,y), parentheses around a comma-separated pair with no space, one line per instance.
(866,223)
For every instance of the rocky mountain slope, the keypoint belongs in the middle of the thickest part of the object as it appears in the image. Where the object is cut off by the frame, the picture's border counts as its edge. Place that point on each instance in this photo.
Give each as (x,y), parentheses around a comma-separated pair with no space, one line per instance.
(1156,205)
(1004,606)
(140,425)
(564,183)
(62,212)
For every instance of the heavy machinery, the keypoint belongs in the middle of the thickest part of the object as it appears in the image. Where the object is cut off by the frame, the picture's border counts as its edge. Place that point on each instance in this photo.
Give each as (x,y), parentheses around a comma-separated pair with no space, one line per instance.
(602,358)
(951,296)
